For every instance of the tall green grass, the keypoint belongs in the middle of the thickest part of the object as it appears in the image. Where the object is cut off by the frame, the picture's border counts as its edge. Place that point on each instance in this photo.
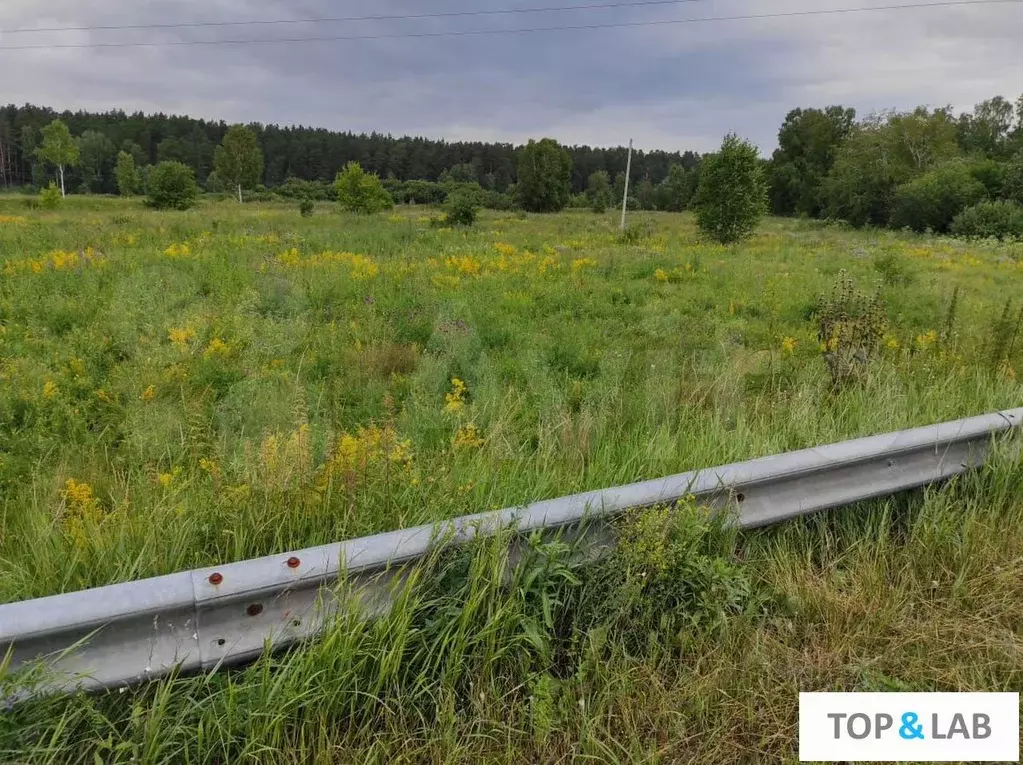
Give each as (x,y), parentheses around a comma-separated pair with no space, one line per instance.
(212,395)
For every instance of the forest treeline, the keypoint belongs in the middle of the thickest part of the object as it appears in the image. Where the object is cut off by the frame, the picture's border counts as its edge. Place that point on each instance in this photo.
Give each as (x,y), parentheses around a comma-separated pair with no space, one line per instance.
(301,153)
(919,169)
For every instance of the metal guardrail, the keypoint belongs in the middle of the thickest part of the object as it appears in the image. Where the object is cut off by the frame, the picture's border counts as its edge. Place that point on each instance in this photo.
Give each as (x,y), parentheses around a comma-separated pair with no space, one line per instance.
(198,620)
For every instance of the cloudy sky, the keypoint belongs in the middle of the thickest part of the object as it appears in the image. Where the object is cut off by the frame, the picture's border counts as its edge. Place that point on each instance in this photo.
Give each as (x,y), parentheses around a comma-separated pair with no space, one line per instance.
(670,86)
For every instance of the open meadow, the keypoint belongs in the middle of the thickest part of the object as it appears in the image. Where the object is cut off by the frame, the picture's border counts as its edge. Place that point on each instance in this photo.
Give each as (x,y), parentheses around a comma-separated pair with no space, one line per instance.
(179,389)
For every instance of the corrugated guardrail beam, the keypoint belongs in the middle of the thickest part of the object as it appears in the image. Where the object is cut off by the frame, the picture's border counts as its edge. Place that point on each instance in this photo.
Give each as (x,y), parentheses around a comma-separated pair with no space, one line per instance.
(198,620)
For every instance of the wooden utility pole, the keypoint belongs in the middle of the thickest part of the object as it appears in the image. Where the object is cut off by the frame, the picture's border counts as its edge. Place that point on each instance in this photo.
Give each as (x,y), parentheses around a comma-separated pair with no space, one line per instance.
(625,196)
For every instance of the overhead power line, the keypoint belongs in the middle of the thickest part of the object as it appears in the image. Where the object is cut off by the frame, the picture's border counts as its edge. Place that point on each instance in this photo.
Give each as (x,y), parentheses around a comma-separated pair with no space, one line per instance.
(334,19)
(483,32)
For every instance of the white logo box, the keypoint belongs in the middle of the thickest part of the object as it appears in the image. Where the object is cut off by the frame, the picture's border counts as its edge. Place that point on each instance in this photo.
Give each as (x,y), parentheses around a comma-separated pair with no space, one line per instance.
(961,727)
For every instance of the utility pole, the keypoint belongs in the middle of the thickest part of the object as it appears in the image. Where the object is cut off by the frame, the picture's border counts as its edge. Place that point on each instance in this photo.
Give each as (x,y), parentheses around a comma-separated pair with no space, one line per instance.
(625,197)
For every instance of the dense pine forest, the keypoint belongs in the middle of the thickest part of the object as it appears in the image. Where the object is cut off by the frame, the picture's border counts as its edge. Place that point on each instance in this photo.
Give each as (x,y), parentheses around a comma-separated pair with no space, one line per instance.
(304,153)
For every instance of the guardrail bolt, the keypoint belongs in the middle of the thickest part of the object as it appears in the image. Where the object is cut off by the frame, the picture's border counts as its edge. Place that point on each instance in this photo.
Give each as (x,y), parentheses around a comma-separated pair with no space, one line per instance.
(216,577)
(294,562)
(255,609)
(740,497)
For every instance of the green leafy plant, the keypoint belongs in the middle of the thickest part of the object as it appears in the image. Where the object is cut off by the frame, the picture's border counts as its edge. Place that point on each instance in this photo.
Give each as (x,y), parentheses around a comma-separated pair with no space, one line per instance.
(50,197)
(672,570)
(1000,219)
(934,199)
(171,186)
(305,208)
(361,192)
(850,325)
(732,197)
(462,208)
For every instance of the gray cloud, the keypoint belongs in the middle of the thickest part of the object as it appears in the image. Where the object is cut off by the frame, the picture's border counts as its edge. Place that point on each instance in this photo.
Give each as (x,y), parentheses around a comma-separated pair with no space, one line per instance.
(671,87)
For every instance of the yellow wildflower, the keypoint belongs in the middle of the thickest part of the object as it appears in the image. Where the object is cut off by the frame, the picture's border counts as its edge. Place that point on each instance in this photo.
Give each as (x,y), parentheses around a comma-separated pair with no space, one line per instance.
(166,479)
(149,393)
(927,339)
(548,262)
(82,510)
(216,347)
(505,249)
(892,343)
(465,264)
(661,275)
(788,345)
(455,400)
(210,467)
(580,263)
(467,437)
(181,336)
(177,251)
(78,494)
(50,389)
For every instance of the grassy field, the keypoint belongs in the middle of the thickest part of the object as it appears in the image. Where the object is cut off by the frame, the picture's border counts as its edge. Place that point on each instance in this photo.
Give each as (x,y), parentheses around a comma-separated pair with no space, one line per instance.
(181,389)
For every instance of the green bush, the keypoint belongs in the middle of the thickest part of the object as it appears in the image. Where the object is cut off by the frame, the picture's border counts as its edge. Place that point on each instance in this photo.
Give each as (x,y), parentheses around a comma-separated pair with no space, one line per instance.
(50,197)
(462,208)
(422,192)
(296,188)
(1012,180)
(361,192)
(171,186)
(305,208)
(732,196)
(991,174)
(935,198)
(1001,219)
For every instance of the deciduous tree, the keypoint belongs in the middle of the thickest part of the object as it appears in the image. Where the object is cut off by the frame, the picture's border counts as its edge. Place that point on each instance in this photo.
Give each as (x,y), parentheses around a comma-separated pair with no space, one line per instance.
(545,176)
(59,149)
(239,160)
(733,195)
(127,175)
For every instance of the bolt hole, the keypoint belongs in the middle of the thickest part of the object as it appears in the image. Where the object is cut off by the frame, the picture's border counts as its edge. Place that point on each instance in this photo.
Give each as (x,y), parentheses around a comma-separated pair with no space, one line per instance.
(296,622)
(221,642)
(255,609)
(740,497)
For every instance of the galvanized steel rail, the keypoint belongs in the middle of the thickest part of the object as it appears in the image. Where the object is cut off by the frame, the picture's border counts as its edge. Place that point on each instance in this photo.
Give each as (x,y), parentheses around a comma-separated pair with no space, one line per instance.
(199,620)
